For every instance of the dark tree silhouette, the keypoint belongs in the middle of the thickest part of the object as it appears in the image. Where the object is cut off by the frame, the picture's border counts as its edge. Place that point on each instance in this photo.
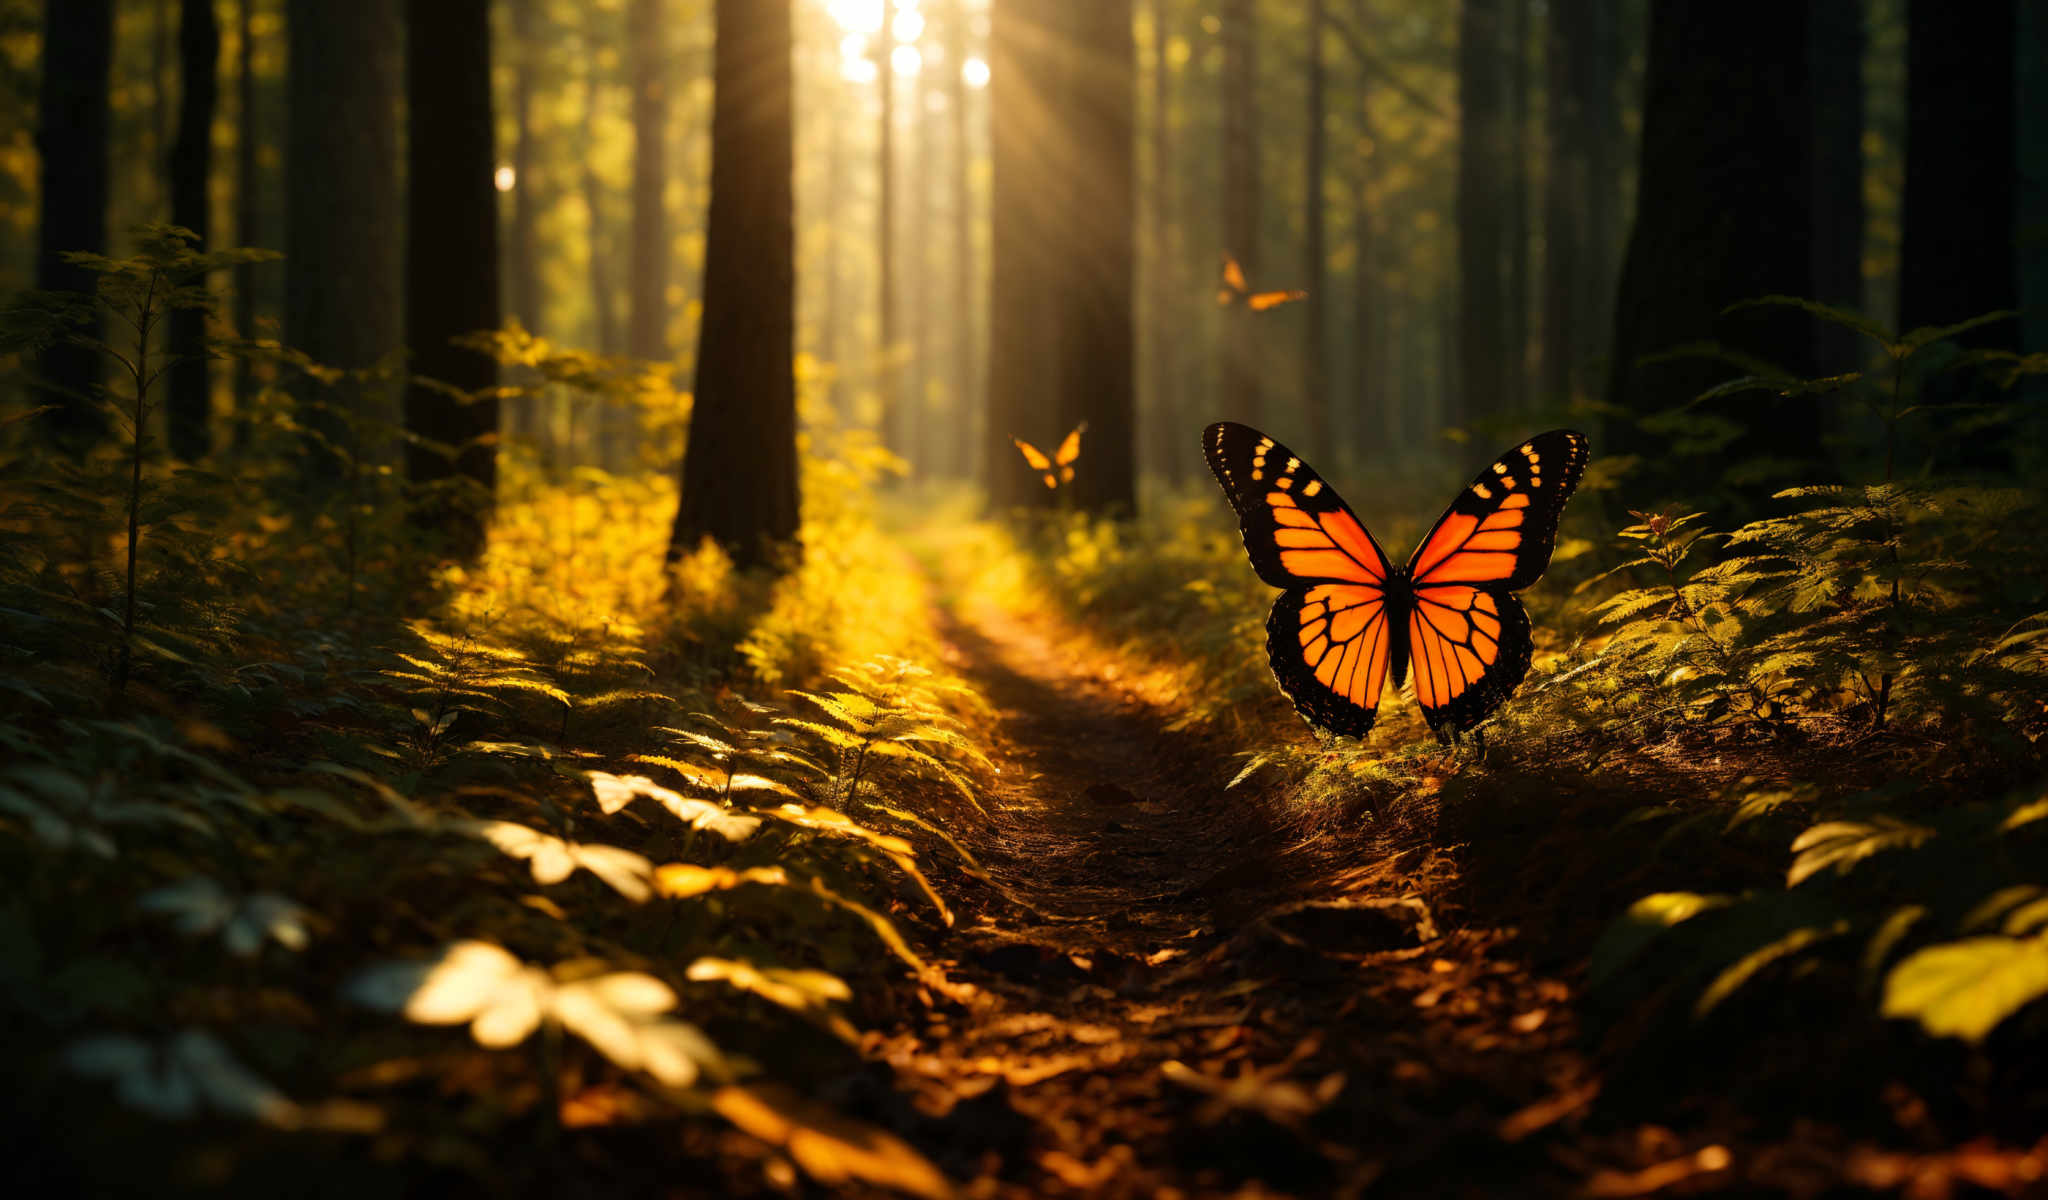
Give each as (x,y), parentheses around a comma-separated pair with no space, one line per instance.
(1026,75)
(1724,212)
(1242,392)
(522,265)
(887,379)
(739,484)
(71,138)
(1837,49)
(248,224)
(342,233)
(1099,265)
(451,268)
(648,273)
(1484,145)
(1315,257)
(189,400)
(1958,246)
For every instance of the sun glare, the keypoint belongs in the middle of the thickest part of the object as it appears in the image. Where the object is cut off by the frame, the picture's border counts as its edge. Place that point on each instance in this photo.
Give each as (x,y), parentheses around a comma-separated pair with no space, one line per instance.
(975,72)
(906,60)
(858,16)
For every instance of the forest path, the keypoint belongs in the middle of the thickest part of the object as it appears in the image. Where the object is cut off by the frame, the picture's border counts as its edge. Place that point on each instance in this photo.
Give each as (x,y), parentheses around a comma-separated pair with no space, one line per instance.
(1152,1009)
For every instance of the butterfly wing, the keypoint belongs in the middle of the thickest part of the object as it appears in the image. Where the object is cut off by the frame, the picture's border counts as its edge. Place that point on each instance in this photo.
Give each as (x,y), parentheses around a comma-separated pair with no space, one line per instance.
(1468,637)
(1070,447)
(1233,279)
(1037,461)
(1329,635)
(1261,301)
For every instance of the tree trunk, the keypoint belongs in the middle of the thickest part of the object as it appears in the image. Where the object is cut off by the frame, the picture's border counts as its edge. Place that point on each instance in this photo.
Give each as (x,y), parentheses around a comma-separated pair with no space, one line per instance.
(604,316)
(1515,214)
(248,226)
(342,232)
(966,402)
(1483,150)
(1240,373)
(71,136)
(1026,77)
(522,267)
(1173,445)
(919,444)
(1837,49)
(188,408)
(1099,268)
(1605,150)
(647,330)
(1567,57)
(1958,252)
(1315,346)
(1724,213)
(451,268)
(739,483)
(887,379)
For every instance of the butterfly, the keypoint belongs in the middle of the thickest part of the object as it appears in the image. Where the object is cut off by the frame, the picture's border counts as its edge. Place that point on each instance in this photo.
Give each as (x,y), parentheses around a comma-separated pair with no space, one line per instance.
(1348,619)
(1059,468)
(1235,289)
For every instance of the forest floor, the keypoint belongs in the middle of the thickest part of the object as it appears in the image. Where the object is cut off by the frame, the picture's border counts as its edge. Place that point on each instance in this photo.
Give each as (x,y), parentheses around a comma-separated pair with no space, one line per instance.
(1185,988)
(1180,987)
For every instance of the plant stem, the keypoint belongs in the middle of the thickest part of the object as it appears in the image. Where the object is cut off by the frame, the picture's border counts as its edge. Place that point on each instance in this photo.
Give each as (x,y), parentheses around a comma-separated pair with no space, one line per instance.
(139,369)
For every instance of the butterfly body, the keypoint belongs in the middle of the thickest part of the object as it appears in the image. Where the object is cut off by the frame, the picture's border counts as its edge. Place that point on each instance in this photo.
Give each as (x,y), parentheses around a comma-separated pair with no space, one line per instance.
(1348,620)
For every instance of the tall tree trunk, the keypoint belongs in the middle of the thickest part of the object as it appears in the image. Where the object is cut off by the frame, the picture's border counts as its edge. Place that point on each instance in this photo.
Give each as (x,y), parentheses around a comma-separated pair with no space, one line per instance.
(918,440)
(647,332)
(739,484)
(451,267)
(342,231)
(1240,371)
(1100,367)
(1515,214)
(188,409)
(522,266)
(1315,347)
(1958,253)
(1606,149)
(966,403)
(73,124)
(829,336)
(248,206)
(604,315)
(1567,55)
(1026,77)
(1483,150)
(888,381)
(1837,48)
(1173,445)
(1724,213)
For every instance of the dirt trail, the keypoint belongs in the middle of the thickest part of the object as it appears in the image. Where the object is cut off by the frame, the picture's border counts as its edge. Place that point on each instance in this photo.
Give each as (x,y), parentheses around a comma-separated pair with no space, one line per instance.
(1154,1012)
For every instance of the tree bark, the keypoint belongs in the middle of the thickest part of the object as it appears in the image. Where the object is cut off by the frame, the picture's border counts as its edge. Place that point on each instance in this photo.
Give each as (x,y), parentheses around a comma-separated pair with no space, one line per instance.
(1567,56)
(1483,150)
(188,407)
(248,206)
(1099,374)
(1026,335)
(1724,213)
(342,227)
(648,271)
(522,267)
(597,234)
(1316,343)
(888,381)
(966,402)
(1515,214)
(1958,253)
(451,267)
(739,474)
(1240,373)
(1837,49)
(73,124)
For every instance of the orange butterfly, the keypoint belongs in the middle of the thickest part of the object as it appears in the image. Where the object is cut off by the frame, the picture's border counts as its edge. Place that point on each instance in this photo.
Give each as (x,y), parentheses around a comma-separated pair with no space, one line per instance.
(1235,289)
(1349,619)
(1059,468)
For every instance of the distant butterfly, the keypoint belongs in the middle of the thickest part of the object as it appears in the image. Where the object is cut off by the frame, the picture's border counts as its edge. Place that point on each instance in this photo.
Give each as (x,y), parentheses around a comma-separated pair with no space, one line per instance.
(1348,619)
(1059,468)
(1235,289)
